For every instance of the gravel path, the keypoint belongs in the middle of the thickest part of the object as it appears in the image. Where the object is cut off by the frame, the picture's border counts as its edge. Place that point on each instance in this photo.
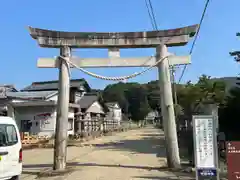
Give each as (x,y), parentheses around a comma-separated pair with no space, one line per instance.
(133,155)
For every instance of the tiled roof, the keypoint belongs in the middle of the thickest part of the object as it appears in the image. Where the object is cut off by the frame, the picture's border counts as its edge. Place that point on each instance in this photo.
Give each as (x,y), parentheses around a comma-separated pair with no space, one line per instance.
(31,95)
(86,101)
(53,85)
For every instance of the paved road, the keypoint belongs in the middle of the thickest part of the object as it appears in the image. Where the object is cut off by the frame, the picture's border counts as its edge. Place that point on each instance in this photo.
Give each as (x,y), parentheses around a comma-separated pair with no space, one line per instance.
(133,155)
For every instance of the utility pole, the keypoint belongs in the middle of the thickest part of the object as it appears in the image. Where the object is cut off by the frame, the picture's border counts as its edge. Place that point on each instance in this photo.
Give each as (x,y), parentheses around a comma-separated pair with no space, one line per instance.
(175,98)
(174,88)
(60,147)
(167,109)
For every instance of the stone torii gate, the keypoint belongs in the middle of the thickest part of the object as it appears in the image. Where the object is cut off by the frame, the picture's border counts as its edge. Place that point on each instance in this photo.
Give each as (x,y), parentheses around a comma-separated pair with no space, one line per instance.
(113,41)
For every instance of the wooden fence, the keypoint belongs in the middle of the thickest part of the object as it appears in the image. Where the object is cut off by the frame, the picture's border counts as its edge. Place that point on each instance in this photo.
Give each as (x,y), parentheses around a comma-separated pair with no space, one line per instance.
(98,125)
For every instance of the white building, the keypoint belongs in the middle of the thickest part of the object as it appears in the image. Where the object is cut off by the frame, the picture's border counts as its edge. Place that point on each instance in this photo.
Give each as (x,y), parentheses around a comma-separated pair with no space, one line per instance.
(92,113)
(115,112)
(39,116)
(35,107)
(153,117)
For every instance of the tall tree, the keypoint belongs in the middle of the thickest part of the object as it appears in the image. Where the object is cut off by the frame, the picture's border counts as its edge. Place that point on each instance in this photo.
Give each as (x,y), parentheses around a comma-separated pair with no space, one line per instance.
(116,93)
(229,114)
(138,102)
(153,91)
(206,90)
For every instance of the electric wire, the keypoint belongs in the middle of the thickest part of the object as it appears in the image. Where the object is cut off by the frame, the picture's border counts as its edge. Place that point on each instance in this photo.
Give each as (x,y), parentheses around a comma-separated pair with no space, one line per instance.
(122,78)
(149,14)
(196,37)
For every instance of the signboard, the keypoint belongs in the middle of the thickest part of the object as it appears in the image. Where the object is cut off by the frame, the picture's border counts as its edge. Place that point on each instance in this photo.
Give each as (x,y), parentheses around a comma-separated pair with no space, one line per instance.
(43,119)
(207,174)
(205,145)
(233,160)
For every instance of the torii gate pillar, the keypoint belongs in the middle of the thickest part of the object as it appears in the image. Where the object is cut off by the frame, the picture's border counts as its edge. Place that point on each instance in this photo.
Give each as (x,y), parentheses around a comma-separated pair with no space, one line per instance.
(60,147)
(167,108)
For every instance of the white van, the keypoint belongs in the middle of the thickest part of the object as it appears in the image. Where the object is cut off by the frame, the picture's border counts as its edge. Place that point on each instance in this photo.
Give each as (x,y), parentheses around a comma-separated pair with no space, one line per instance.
(10,149)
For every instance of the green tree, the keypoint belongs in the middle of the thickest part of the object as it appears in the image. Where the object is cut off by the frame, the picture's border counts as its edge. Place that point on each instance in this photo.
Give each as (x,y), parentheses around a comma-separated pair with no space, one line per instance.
(140,98)
(132,98)
(206,90)
(138,102)
(116,93)
(153,95)
(229,114)
(212,91)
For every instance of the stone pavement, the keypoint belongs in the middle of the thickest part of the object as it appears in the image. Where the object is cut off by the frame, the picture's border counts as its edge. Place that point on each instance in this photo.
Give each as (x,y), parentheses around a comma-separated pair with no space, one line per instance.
(134,155)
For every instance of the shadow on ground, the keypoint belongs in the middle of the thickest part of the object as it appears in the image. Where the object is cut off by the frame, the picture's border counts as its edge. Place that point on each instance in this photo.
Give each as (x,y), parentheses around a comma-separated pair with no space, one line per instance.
(35,169)
(31,169)
(150,143)
(147,143)
(76,164)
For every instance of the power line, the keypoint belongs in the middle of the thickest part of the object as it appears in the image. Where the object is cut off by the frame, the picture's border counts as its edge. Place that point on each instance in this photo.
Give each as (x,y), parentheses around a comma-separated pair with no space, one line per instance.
(154,23)
(151,14)
(195,39)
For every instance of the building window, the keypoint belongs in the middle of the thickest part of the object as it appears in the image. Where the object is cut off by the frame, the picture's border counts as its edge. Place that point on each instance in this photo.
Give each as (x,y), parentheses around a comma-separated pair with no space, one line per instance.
(26,125)
(70,124)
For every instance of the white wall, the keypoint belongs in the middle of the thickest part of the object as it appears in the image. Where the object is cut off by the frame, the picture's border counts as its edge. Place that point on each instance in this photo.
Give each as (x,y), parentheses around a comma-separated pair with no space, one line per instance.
(71,116)
(38,126)
(47,128)
(53,98)
(78,96)
(115,113)
(96,108)
(17,100)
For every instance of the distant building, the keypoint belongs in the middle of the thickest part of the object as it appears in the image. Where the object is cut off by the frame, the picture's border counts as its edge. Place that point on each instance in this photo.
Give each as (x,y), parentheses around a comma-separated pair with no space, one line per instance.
(152,116)
(114,112)
(92,113)
(90,106)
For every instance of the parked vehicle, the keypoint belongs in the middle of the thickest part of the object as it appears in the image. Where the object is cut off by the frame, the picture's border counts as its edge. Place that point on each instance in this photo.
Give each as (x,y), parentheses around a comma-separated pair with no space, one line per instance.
(10,149)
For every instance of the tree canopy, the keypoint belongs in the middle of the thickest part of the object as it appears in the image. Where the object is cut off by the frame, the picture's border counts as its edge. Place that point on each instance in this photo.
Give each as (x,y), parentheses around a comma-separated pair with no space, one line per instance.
(132,98)
(137,100)
(229,114)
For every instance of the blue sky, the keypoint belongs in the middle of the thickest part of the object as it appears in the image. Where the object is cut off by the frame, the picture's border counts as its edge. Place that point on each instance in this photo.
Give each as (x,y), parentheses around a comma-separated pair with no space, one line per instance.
(19,52)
